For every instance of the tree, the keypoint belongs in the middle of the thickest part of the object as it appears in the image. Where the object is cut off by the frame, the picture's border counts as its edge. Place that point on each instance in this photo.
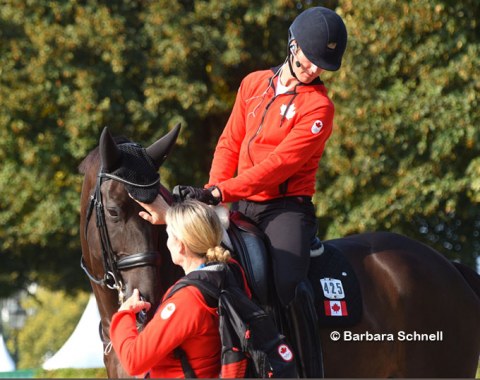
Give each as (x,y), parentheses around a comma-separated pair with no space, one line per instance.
(70,68)
(394,161)
(63,78)
(52,318)
(404,153)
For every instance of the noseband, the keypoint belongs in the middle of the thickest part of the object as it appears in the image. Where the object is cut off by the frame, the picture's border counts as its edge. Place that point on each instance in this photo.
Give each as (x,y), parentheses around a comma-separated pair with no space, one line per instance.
(112,266)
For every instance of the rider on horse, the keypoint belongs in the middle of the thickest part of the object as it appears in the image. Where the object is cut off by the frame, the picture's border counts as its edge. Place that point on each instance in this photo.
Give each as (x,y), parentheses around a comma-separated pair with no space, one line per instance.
(274,140)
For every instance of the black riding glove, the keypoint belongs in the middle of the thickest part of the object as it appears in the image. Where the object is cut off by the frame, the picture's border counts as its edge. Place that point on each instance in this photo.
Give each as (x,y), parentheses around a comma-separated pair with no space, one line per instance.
(180,193)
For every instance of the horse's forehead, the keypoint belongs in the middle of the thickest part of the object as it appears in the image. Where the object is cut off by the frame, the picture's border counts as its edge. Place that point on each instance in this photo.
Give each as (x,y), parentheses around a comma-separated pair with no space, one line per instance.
(135,153)
(137,167)
(116,192)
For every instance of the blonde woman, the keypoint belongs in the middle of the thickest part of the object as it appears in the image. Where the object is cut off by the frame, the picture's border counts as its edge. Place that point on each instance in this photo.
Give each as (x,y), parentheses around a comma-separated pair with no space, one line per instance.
(185,319)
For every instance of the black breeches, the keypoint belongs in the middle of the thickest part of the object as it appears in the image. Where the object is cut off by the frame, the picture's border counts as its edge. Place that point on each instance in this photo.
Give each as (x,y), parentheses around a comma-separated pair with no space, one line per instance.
(290,224)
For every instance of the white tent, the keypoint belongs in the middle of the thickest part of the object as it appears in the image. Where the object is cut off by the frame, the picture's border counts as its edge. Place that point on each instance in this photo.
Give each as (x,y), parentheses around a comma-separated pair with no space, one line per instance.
(84,348)
(6,361)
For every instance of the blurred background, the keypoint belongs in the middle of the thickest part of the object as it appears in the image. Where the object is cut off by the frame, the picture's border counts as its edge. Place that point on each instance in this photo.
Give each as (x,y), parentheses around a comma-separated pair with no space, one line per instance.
(404,155)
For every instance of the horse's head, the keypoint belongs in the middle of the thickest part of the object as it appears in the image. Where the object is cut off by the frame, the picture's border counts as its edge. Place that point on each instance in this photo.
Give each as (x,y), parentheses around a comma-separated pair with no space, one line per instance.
(122,251)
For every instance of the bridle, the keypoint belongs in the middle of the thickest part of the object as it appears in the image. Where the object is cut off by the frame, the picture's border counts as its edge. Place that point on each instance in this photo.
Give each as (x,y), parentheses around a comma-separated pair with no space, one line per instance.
(113,266)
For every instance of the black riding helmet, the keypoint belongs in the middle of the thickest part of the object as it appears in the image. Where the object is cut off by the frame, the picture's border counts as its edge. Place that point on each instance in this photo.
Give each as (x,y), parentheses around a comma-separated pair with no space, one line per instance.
(322,36)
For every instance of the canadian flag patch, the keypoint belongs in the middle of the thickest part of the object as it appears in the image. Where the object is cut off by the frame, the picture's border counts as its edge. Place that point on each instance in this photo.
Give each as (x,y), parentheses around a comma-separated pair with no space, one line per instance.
(285,352)
(335,308)
(168,310)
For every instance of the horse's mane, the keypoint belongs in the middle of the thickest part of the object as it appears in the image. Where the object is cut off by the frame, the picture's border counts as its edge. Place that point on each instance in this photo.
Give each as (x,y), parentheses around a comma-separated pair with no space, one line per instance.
(92,157)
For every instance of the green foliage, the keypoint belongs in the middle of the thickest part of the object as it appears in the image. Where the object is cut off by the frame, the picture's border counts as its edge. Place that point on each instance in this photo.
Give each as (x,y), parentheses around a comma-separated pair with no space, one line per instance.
(52,318)
(404,153)
(72,373)
(69,68)
(67,373)
(403,156)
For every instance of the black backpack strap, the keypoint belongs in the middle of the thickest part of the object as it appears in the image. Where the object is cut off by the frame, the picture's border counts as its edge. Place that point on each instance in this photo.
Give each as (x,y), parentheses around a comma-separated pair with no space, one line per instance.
(186,367)
(209,291)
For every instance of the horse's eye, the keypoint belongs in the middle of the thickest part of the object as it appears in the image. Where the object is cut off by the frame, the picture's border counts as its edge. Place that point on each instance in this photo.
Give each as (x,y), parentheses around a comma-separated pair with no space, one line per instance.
(113,212)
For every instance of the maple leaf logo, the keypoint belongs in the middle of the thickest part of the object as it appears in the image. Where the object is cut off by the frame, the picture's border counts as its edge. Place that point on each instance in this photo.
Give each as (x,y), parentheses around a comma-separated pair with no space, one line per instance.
(336,308)
(285,353)
(290,111)
(317,126)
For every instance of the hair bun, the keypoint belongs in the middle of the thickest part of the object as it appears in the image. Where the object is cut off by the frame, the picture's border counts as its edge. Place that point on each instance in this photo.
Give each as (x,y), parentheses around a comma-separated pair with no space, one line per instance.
(218,253)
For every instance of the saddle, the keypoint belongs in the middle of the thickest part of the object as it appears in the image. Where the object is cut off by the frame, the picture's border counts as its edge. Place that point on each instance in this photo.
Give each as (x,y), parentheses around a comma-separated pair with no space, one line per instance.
(337,294)
(250,250)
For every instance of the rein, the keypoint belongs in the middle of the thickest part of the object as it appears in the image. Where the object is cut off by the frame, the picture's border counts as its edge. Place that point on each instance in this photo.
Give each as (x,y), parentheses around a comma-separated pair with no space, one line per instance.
(112,266)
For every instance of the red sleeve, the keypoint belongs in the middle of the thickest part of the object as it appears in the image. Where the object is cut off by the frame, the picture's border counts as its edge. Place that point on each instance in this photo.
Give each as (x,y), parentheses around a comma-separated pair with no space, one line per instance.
(225,158)
(299,146)
(175,320)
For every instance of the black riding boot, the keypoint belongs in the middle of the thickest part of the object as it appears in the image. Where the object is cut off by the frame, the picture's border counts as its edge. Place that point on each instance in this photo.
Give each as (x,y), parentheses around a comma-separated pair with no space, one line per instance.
(304,332)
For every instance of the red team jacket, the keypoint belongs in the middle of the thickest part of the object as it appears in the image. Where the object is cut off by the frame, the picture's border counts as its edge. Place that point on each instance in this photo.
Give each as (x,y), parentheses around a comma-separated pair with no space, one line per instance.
(271,139)
(183,320)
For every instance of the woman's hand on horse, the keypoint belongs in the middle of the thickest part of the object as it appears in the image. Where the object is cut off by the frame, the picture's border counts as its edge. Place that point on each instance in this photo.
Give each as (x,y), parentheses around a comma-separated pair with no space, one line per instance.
(134,303)
(155,211)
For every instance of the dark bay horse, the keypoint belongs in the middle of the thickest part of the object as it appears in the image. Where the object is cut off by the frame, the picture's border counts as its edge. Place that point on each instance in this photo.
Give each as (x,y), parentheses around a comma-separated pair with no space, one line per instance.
(120,250)
(409,290)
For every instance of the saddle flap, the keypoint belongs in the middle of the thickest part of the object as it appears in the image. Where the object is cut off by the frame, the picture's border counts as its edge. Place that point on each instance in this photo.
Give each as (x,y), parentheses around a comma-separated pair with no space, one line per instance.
(338,297)
(250,250)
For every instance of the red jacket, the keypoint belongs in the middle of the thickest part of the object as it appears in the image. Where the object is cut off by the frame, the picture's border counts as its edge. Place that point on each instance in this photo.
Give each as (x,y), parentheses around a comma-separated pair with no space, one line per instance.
(270,139)
(183,320)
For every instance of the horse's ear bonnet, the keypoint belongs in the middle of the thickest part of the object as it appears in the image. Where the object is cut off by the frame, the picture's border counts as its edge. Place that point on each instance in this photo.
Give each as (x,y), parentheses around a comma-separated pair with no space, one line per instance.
(135,164)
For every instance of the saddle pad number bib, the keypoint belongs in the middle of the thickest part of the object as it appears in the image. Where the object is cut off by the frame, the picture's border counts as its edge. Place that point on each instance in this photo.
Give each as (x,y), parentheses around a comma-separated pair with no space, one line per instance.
(332,288)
